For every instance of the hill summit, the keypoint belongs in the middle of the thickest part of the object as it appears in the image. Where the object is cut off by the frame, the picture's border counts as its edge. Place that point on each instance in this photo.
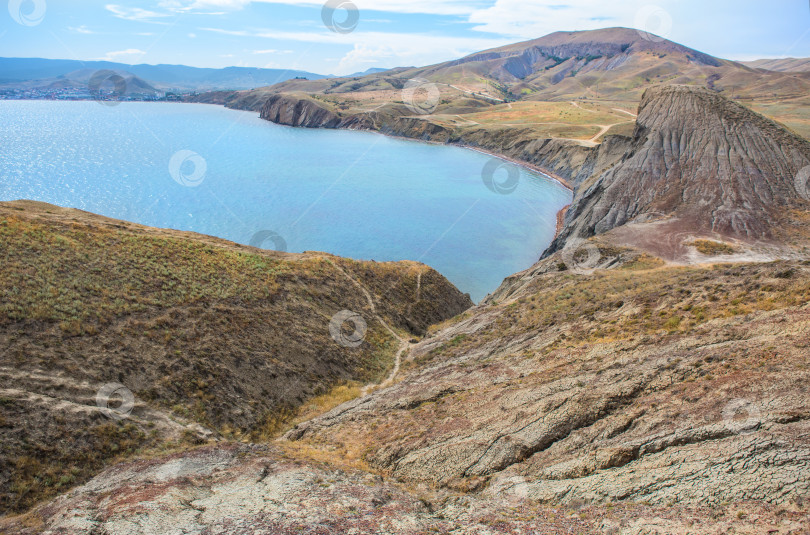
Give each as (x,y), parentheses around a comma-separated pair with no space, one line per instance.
(698,159)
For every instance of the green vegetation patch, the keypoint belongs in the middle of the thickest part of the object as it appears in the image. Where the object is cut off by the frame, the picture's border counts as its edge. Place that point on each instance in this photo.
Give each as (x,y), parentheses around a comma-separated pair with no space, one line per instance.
(712,248)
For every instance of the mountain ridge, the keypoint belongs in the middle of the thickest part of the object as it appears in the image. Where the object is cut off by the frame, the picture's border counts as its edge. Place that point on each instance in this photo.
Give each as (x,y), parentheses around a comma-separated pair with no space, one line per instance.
(781,64)
(39,72)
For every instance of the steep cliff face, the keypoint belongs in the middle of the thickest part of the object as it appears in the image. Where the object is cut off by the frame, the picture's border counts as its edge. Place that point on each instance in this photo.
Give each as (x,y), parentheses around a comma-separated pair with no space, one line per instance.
(298,111)
(397,125)
(571,161)
(699,159)
(565,159)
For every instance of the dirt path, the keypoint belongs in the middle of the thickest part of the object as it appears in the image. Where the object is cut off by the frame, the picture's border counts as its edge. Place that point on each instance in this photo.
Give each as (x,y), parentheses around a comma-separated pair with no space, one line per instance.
(482,95)
(576,105)
(469,121)
(65,395)
(603,131)
(604,127)
(403,343)
(633,115)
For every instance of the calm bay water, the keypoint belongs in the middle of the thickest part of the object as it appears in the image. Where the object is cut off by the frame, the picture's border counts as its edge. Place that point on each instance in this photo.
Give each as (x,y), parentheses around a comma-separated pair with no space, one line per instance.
(354,194)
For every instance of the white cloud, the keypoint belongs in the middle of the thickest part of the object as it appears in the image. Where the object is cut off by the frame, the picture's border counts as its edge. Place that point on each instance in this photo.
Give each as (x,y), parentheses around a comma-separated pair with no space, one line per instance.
(273,51)
(184,6)
(433,7)
(81,29)
(530,20)
(125,56)
(395,40)
(401,49)
(514,18)
(135,14)
(364,56)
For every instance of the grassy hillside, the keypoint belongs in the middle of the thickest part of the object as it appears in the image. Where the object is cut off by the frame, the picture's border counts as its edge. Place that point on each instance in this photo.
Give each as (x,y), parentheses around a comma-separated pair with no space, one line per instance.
(213,339)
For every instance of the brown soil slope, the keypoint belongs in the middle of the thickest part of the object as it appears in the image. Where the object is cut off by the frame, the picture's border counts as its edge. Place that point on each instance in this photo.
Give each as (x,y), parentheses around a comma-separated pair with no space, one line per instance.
(200,330)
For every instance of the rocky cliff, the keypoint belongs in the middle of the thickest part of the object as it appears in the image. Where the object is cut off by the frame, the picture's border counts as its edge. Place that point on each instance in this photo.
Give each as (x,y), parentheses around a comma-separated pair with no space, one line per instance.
(594,388)
(565,159)
(700,161)
(298,111)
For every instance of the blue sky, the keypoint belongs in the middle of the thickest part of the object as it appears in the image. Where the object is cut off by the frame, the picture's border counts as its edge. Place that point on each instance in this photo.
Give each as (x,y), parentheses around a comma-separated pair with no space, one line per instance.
(390,33)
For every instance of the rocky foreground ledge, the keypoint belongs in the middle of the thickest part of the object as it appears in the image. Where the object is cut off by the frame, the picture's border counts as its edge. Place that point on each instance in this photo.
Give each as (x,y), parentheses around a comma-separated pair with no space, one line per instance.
(263,490)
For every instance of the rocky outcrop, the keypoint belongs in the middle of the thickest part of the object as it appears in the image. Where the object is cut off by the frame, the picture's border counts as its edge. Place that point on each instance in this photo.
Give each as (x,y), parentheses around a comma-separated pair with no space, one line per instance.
(399,126)
(263,490)
(596,389)
(571,161)
(298,111)
(698,158)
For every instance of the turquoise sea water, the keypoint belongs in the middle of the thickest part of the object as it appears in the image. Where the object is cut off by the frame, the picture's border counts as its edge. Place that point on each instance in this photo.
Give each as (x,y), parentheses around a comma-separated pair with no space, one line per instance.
(230,174)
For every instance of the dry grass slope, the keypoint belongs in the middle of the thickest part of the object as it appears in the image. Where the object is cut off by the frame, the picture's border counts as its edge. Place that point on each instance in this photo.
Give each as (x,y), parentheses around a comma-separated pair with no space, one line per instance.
(203,332)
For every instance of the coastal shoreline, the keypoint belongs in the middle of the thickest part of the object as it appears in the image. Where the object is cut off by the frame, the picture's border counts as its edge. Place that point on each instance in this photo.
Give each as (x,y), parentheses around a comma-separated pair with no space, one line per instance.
(521,163)
(531,167)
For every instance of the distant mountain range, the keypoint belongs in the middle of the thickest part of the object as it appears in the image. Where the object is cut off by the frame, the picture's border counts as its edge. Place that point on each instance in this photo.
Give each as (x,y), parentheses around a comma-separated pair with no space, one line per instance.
(35,73)
(781,64)
(373,70)
(612,63)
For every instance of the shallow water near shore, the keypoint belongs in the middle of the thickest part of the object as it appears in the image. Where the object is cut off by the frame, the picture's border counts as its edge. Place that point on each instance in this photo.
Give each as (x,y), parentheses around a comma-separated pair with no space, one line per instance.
(232,175)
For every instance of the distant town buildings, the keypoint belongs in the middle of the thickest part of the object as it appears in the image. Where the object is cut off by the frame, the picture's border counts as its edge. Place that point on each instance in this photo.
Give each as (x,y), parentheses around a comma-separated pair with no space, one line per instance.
(73,93)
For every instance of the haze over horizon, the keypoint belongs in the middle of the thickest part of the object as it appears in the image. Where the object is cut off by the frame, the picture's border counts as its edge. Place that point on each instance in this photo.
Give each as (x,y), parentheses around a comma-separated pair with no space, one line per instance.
(293,34)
